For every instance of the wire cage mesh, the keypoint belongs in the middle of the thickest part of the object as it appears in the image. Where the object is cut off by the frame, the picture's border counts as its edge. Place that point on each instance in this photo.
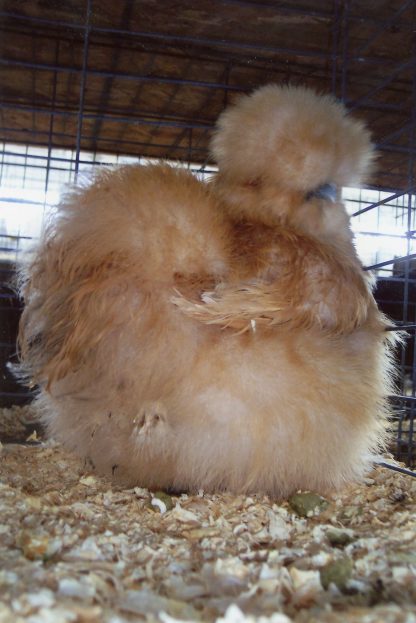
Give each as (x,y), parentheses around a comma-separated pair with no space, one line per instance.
(90,83)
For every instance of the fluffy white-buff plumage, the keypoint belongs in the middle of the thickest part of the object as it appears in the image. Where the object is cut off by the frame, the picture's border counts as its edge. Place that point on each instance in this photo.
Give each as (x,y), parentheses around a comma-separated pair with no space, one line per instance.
(221,335)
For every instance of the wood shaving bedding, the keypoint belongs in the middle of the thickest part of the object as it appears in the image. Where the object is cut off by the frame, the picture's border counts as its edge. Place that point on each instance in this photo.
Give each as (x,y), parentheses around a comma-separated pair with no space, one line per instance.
(17,423)
(75,548)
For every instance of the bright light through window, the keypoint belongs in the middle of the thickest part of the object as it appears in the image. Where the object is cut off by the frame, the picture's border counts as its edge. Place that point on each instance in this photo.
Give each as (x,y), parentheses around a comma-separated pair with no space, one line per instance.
(33,178)
(385,231)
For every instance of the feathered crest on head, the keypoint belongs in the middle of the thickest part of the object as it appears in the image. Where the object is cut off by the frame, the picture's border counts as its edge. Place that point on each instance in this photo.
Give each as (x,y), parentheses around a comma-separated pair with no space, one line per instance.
(291,137)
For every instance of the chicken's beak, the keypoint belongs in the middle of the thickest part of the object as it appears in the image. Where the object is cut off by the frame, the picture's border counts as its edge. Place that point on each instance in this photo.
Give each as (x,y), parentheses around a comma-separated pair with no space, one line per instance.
(328,192)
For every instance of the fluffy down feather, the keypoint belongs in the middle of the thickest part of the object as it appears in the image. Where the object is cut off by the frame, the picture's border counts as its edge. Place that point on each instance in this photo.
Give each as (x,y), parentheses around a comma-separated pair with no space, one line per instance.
(219,336)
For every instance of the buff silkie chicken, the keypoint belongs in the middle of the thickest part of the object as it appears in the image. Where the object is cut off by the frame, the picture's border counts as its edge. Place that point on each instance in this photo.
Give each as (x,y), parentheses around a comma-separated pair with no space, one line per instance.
(221,335)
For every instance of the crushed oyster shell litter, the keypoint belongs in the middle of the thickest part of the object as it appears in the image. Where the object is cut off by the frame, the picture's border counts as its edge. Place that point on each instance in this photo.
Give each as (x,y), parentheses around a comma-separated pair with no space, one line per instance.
(75,548)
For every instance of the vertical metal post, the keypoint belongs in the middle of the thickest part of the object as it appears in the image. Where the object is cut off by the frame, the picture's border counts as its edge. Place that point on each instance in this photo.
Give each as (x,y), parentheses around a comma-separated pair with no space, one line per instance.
(226,83)
(51,122)
(410,226)
(345,31)
(83,84)
(189,148)
(25,166)
(2,163)
(335,45)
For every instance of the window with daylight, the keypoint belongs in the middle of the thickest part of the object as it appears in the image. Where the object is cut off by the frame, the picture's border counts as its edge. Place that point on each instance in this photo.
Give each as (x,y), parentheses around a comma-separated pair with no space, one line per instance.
(33,178)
